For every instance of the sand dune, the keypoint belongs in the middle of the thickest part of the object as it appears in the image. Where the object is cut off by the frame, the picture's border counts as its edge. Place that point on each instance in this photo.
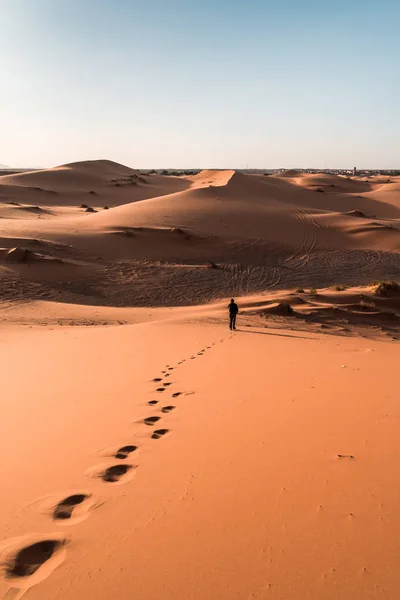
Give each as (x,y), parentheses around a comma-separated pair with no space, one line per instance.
(74,175)
(192,239)
(332,183)
(149,452)
(97,182)
(209,178)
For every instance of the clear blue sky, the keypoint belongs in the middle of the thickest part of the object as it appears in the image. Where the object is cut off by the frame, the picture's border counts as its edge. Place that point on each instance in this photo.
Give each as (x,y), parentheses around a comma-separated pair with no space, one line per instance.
(218,83)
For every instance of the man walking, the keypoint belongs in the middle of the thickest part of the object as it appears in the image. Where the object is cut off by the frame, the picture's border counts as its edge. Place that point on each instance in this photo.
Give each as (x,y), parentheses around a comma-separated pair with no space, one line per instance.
(233,311)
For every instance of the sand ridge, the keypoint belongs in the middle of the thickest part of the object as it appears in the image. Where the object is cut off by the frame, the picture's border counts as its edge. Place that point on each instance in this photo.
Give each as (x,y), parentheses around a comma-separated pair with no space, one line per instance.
(190,239)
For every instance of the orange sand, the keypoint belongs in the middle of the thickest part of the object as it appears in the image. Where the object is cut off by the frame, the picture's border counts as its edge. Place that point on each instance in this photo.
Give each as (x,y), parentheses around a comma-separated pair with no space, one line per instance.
(273,472)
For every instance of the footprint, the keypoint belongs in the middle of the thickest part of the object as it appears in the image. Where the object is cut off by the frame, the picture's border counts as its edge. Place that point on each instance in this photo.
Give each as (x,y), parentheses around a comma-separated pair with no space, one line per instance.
(167,409)
(159,433)
(153,402)
(30,559)
(151,420)
(171,369)
(65,508)
(113,474)
(160,389)
(21,563)
(157,379)
(176,394)
(167,384)
(125,451)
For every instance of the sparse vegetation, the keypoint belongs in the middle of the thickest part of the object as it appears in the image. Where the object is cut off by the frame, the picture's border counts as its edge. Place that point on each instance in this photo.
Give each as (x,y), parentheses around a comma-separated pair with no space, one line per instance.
(93,193)
(366,305)
(90,209)
(340,288)
(389,312)
(299,291)
(177,173)
(313,291)
(299,300)
(386,288)
(213,265)
(84,206)
(106,207)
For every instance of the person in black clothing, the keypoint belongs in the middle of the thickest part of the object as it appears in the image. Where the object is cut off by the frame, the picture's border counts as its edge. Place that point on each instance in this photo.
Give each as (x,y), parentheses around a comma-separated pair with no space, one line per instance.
(233,311)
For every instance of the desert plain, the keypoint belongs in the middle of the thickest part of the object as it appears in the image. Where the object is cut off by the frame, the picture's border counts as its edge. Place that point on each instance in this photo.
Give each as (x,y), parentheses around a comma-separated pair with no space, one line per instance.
(150,452)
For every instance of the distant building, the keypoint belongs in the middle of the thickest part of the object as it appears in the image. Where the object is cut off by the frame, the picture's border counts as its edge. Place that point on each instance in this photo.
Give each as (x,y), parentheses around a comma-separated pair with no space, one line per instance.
(354,170)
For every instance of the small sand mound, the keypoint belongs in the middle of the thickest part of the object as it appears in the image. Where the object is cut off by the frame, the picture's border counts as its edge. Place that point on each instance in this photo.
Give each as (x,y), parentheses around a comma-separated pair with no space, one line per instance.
(282,309)
(35,209)
(212,265)
(377,225)
(355,213)
(19,255)
(182,233)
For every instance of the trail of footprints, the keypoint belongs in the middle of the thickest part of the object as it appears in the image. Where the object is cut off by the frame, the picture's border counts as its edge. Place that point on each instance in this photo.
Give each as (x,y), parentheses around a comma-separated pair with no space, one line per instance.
(24,561)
